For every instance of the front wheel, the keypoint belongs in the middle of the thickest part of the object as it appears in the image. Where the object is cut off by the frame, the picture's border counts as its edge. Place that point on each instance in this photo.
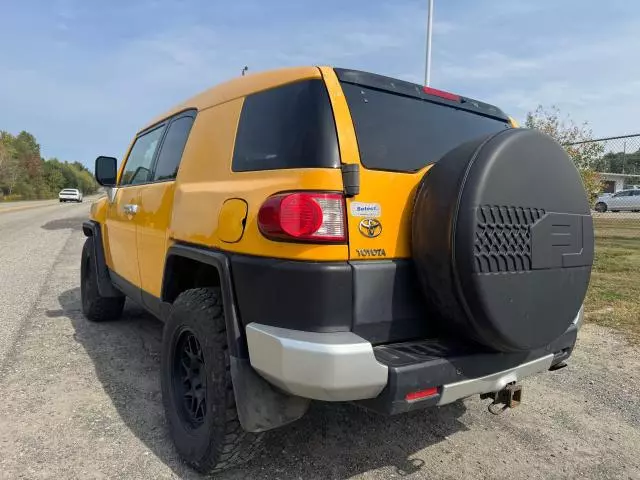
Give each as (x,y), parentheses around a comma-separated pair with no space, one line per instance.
(601,207)
(197,391)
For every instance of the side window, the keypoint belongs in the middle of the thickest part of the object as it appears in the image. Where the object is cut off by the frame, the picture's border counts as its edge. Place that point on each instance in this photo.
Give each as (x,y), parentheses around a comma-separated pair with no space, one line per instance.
(291,126)
(636,193)
(622,194)
(138,167)
(172,148)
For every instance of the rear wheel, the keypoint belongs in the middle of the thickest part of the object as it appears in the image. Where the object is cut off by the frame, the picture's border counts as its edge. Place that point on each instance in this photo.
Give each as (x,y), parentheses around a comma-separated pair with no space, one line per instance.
(94,306)
(601,207)
(196,385)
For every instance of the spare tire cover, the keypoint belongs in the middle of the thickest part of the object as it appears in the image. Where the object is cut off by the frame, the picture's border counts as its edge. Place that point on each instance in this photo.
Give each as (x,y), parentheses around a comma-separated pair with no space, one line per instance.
(503,240)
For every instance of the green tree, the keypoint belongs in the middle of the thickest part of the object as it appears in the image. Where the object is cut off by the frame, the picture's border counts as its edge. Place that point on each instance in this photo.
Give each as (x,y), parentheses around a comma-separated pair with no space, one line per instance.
(577,141)
(24,174)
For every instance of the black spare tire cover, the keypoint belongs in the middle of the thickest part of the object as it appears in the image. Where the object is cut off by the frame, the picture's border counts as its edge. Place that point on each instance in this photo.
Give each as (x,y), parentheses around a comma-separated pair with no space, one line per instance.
(503,240)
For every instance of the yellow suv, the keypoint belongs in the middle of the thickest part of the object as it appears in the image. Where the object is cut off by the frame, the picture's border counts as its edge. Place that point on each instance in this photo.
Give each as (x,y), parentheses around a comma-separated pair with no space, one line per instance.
(327,234)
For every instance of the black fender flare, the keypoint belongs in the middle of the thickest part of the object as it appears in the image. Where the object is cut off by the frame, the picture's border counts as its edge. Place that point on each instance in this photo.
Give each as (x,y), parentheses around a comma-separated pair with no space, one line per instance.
(106,288)
(261,407)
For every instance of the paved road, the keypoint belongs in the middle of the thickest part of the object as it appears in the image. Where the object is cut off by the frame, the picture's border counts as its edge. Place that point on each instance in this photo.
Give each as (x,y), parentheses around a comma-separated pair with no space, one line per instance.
(25,205)
(81,400)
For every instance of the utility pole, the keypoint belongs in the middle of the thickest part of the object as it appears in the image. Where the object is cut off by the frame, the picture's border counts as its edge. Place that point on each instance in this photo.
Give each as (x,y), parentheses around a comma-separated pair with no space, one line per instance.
(427,70)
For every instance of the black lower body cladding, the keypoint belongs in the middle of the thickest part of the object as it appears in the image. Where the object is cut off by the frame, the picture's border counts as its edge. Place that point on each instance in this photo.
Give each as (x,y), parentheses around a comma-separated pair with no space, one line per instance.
(378,300)
(503,240)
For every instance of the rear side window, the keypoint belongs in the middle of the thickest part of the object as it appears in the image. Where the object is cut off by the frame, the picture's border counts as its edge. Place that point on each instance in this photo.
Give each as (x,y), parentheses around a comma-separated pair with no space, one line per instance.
(291,126)
(172,148)
(405,134)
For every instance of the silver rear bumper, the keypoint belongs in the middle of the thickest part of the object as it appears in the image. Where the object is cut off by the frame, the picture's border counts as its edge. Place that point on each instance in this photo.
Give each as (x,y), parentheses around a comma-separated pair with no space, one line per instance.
(342,366)
(336,366)
(494,382)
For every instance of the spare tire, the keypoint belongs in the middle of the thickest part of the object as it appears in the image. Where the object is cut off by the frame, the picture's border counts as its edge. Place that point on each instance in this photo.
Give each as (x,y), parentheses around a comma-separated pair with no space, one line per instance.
(503,240)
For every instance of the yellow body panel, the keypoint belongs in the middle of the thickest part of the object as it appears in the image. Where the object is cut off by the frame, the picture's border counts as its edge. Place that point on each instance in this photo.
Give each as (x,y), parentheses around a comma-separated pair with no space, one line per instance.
(212,206)
(392,191)
(206,182)
(119,233)
(231,220)
(152,222)
(240,87)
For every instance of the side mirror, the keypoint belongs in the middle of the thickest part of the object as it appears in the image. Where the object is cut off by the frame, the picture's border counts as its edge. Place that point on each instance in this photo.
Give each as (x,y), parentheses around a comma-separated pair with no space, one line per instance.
(106,171)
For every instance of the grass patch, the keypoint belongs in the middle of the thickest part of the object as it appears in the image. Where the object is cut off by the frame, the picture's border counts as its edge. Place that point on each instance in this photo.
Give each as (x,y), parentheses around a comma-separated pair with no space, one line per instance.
(613,299)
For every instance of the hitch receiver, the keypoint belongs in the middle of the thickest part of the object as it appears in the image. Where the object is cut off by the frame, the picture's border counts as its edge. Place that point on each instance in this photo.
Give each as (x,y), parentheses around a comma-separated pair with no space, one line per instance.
(509,397)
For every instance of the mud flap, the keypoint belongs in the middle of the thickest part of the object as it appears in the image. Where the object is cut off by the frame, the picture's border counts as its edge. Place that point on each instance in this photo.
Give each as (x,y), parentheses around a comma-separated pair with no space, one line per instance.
(262,407)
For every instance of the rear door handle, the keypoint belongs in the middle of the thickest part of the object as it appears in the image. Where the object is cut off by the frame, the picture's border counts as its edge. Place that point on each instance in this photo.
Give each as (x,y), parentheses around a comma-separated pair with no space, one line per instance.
(130,208)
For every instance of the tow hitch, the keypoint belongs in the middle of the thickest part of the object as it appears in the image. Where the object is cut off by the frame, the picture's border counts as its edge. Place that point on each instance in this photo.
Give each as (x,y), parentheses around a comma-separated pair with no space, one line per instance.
(509,397)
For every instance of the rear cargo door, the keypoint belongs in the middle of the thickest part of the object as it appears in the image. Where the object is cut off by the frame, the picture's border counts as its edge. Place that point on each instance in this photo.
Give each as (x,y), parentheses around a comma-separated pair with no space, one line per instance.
(395,132)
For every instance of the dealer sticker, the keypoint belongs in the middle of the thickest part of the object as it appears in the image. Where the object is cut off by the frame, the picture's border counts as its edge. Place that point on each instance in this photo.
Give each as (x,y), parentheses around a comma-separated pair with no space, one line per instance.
(359,209)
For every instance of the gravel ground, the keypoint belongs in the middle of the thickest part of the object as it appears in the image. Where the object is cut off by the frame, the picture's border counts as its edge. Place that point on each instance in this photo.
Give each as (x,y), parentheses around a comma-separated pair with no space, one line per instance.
(82,400)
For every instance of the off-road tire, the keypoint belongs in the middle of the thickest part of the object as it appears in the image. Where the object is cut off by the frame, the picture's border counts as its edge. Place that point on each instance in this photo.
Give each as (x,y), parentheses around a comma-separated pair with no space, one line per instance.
(218,442)
(94,306)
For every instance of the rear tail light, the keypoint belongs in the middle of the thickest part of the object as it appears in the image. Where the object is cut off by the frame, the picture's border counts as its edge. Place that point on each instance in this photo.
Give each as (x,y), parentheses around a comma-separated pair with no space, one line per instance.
(304,216)
(441,94)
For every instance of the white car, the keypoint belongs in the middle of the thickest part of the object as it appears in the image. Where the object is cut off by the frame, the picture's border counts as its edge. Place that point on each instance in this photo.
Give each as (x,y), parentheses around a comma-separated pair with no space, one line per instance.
(622,200)
(70,195)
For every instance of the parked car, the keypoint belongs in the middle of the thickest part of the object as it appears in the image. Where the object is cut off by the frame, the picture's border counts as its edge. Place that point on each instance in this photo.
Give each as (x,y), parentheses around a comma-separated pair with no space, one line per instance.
(627,200)
(70,195)
(335,235)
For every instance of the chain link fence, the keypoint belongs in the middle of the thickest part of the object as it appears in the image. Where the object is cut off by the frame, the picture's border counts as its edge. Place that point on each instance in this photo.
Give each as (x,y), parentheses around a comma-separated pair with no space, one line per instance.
(618,168)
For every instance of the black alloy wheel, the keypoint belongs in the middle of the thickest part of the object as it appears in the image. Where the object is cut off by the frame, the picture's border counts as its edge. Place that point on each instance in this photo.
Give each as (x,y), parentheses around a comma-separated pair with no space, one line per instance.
(190,378)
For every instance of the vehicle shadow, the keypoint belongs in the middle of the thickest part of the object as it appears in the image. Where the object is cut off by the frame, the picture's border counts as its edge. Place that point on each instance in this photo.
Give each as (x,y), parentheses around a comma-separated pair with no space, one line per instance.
(71,223)
(331,441)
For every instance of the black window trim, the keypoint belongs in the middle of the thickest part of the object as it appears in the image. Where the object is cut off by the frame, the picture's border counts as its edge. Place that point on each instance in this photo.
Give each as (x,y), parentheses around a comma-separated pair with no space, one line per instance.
(164,123)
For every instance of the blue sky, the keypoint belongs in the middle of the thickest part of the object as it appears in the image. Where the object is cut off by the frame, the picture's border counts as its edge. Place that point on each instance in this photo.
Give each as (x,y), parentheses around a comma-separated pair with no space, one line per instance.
(84,75)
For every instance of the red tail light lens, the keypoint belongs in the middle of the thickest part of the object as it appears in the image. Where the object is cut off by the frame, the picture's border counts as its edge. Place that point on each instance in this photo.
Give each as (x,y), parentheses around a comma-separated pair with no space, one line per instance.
(441,94)
(304,216)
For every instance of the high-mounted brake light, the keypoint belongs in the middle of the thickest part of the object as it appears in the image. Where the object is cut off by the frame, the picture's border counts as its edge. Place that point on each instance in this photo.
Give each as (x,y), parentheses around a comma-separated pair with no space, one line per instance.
(421,394)
(441,94)
(304,216)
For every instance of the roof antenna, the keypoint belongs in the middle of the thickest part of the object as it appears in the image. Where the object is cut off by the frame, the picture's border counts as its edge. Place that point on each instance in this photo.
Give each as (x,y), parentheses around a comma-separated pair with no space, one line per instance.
(244,70)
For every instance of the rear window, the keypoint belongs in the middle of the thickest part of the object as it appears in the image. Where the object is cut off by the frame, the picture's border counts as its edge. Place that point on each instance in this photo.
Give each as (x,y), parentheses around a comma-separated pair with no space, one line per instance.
(290,126)
(405,134)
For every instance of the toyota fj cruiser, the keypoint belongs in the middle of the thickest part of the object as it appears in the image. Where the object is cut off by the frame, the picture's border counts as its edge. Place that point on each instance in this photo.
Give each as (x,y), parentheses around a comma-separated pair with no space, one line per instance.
(329,234)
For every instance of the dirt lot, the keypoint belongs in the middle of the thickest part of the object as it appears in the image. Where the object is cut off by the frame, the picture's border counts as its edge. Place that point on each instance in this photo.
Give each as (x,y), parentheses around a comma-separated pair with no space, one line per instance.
(82,400)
